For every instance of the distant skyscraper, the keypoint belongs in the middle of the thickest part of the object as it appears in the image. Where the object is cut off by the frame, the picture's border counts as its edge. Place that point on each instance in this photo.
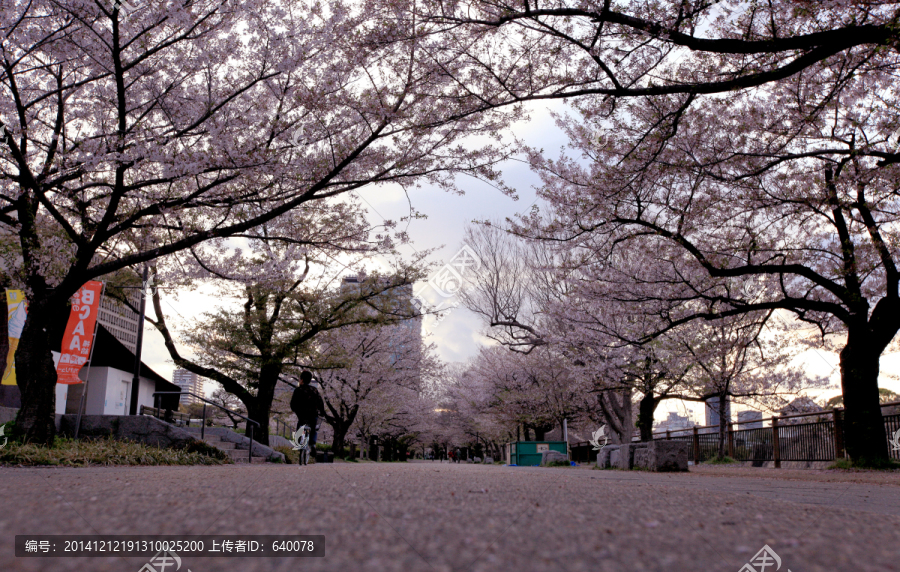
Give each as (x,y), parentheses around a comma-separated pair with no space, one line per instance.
(188,381)
(675,422)
(400,299)
(120,320)
(750,420)
(712,411)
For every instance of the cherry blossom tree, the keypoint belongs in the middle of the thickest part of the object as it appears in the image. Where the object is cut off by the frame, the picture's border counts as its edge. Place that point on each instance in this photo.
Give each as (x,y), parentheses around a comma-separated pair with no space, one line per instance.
(133,134)
(286,290)
(379,369)
(569,49)
(780,198)
(737,359)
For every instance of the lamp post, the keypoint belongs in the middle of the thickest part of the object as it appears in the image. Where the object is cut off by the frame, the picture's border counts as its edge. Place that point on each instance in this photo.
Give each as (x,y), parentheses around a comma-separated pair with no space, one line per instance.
(136,380)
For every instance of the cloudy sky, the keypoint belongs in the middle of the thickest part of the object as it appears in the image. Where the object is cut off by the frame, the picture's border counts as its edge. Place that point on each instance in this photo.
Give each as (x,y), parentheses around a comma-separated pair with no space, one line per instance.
(457,336)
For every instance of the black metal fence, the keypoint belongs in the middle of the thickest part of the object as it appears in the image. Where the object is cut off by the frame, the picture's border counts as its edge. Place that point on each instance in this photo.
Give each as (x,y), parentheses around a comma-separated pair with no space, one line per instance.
(815,440)
(807,441)
(891,426)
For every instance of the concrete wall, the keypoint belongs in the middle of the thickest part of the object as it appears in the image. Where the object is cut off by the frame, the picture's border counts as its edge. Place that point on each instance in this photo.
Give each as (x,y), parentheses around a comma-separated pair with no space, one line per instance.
(107,394)
(141,428)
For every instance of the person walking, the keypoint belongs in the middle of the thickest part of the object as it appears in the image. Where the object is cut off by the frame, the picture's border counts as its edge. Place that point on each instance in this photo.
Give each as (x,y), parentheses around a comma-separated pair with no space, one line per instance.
(307,405)
(456,455)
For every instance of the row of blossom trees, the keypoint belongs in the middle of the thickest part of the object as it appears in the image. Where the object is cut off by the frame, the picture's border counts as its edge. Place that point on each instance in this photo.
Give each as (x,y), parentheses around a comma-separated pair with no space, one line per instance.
(736,143)
(582,352)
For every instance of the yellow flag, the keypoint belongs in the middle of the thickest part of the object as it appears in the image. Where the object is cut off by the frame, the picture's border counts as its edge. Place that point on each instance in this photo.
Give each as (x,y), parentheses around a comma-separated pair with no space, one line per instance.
(17,308)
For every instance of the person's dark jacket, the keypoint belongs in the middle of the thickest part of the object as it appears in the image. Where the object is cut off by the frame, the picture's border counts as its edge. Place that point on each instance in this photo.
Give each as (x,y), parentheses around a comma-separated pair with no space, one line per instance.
(307,404)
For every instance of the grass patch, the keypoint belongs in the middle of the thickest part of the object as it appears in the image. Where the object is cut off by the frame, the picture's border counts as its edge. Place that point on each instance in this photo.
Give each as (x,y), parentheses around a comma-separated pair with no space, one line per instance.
(720,461)
(880,465)
(291,456)
(106,452)
(559,464)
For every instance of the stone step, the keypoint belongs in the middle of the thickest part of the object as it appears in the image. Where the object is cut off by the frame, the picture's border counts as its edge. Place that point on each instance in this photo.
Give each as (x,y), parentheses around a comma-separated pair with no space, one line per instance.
(240,456)
(243,459)
(219,444)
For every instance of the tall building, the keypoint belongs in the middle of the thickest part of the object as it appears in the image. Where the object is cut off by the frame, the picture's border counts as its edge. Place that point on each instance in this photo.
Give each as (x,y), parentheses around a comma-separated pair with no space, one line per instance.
(120,320)
(712,411)
(674,422)
(188,381)
(400,299)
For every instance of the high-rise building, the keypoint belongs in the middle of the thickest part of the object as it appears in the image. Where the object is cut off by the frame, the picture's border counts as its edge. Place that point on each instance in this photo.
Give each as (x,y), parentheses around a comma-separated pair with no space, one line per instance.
(120,320)
(674,422)
(188,381)
(399,299)
(712,411)
(750,420)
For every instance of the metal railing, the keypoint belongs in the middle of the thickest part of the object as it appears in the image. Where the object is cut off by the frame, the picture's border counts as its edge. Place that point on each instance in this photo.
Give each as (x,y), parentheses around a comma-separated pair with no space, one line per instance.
(203,423)
(282,428)
(819,439)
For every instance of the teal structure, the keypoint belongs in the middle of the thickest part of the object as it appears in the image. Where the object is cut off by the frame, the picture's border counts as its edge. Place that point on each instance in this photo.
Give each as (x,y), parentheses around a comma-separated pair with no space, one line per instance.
(528,453)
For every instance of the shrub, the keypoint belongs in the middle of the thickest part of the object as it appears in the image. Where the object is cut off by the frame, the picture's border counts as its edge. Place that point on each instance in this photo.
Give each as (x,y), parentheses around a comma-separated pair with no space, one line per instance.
(107,451)
(847,464)
(720,461)
(290,455)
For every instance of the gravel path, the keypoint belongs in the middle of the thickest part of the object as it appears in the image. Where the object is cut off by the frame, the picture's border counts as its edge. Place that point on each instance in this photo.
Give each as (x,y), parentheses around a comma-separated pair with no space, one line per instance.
(426,516)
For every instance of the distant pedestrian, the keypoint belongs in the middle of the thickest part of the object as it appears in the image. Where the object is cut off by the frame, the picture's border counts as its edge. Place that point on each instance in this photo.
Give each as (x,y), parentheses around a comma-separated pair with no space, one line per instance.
(456,455)
(307,404)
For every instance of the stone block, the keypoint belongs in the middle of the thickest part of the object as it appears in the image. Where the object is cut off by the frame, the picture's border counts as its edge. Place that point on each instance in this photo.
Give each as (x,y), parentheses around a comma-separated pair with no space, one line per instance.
(548,457)
(642,458)
(624,459)
(476,459)
(604,456)
(488,460)
(668,456)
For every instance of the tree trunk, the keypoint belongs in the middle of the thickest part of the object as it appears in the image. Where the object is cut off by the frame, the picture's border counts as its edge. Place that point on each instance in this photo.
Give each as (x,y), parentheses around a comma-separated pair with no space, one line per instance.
(527,433)
(35,374)
(339,438)
(618,415)
(259,413)
(722,424)
(865,439)
(646,408)
(261,408)
(341,427)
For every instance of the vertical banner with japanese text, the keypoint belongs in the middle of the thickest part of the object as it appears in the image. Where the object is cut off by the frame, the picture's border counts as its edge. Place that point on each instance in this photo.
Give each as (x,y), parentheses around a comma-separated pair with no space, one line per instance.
(79,336)
(17,308)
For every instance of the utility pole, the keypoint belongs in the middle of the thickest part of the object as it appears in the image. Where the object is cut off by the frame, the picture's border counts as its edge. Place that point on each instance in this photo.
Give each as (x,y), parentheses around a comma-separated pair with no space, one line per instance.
(136,381)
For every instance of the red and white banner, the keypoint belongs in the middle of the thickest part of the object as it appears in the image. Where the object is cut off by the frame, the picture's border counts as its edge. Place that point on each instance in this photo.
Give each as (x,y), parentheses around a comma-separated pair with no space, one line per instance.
(79,337)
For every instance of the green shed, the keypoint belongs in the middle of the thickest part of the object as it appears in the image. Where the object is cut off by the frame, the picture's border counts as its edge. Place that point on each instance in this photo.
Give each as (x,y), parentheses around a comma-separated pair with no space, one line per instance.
(528,453)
